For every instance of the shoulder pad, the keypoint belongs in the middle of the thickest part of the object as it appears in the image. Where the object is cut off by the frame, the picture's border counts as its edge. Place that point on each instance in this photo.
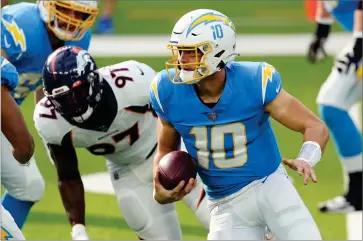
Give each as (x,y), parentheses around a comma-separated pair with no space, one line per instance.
(18,25)
(130,81)
(160,90)
(51,126)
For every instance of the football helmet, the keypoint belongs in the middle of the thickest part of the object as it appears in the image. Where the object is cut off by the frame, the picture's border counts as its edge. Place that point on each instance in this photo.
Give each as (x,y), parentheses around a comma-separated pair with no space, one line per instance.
(66,26)
(207,31)
(72,83)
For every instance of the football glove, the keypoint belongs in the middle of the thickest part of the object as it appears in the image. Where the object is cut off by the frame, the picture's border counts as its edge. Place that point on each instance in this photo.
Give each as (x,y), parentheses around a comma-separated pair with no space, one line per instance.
(350,55)
(316,49)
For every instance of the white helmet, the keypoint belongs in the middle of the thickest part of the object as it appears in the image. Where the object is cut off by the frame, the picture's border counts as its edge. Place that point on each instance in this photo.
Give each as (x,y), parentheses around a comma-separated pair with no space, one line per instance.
(73,28)
(206,30)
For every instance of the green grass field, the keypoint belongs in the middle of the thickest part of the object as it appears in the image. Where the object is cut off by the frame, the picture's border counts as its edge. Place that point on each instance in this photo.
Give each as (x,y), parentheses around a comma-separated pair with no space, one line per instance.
(47,220)
(249,16)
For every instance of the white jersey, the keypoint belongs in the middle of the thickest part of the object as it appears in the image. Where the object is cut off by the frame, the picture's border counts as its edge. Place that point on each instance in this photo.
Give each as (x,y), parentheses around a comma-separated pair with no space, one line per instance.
(132,134)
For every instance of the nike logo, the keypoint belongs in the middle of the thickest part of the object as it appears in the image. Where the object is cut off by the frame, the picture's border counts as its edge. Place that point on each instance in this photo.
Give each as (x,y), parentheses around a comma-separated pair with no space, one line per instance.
(278,88)
(7,45)
(141,72)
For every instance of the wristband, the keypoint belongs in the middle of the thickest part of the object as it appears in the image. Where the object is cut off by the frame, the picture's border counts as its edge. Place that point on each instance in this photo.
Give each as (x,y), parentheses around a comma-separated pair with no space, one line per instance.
(310,152)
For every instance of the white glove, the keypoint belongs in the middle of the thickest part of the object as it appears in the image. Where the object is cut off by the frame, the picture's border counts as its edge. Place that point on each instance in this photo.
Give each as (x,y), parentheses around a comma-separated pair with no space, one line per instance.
(79,232)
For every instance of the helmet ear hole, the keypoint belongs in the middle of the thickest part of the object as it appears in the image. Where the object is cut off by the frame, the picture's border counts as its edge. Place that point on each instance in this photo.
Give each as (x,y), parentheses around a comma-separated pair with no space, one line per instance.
(219,54)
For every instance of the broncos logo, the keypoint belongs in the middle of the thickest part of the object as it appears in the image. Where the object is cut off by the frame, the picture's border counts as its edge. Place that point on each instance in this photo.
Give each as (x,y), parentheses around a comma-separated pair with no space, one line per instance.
(208,18)
(83,59)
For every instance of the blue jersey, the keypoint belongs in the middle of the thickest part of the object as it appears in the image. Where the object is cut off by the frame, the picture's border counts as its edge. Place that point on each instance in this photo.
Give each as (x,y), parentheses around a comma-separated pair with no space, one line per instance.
(232,143)
(25,40)
(343,12)
(9,75)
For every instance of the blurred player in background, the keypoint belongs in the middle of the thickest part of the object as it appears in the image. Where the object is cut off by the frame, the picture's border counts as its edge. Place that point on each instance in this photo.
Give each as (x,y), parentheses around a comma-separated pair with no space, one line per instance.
(105,22)
(4,3)
(106,111)
(342,89)
(29,33)
(13,130)
(229,135)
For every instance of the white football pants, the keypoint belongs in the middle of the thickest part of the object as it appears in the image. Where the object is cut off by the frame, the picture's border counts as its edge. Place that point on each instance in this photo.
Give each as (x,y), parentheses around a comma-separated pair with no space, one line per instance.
(21,182)
(273,202)
(133,185)
(9,229)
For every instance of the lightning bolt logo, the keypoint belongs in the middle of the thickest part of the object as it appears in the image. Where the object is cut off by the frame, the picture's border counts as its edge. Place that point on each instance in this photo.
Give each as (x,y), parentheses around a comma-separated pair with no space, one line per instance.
(16,33)
(208,18)
(267,73)
(5,235)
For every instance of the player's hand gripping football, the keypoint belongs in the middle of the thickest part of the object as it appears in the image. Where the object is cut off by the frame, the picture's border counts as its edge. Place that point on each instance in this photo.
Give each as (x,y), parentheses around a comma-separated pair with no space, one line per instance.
(302,168)
(164,196)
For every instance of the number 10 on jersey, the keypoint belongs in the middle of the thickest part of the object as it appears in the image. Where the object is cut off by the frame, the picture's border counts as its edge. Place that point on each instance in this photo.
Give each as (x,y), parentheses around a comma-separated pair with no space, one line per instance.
(213,144)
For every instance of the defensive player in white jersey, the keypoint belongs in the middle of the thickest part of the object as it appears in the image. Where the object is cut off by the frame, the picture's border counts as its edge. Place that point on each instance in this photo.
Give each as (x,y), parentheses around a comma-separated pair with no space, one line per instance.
(106,111)
(13,127)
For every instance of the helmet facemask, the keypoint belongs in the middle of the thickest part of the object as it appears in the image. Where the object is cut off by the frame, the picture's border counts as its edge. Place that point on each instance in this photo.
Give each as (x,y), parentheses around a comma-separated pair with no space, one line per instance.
(64,26)
(201,70)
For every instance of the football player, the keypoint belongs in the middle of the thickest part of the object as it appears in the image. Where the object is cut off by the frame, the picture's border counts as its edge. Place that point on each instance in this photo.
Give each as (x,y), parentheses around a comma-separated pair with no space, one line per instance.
(107,112)
(29,33)
(341,90)
(105,23)
(5,3)
(13,130)
(229,135)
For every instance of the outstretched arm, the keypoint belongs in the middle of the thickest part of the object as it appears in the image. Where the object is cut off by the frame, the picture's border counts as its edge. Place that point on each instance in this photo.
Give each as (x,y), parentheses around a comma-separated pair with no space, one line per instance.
(294,115)
(70,185)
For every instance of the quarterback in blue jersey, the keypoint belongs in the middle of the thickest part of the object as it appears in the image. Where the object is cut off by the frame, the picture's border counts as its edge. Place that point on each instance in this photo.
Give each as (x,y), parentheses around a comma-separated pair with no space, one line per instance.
(341,90)
(29,33)
(13,130)
(221,109)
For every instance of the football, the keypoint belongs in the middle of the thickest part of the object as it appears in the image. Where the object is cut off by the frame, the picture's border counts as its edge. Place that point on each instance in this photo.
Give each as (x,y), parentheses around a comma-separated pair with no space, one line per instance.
(175,167)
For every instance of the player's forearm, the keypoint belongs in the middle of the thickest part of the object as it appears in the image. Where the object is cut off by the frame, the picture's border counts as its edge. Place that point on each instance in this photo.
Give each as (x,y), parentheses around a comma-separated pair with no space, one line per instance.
(317,132)
(72,193)
(14,128)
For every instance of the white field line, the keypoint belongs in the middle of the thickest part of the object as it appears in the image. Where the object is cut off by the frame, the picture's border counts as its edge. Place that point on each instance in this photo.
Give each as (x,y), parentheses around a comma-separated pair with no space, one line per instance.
(250,45)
